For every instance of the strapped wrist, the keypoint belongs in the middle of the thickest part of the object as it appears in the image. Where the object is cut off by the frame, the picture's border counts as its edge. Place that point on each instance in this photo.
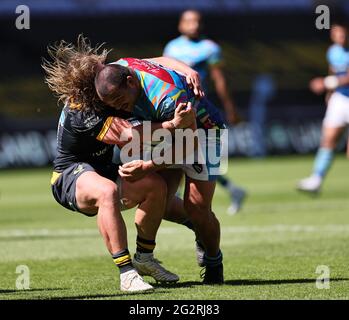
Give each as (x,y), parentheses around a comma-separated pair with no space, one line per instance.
(331,82)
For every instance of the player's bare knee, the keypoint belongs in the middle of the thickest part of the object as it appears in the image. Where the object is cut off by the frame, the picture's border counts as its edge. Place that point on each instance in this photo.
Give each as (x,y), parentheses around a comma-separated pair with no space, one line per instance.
(194,203)
(108,194)
(196,210)
(330,138)
(328,143)
(156,186)
(213,217)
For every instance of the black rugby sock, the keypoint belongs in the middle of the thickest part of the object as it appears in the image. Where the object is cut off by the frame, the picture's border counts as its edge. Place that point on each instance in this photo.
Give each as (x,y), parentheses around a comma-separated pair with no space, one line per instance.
(123,260)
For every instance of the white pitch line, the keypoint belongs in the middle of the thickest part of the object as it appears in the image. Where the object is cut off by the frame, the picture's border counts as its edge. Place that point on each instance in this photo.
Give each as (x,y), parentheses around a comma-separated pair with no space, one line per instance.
(288,228)
(16,233)
(279,228)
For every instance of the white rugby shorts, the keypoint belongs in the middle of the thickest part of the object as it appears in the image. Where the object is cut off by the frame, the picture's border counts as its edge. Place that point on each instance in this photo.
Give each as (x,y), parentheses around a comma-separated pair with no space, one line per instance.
(337,113)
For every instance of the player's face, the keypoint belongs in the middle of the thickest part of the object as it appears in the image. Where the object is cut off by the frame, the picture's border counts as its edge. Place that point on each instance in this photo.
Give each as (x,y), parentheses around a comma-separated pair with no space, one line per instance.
(190,24)
(338,35)
(124,98)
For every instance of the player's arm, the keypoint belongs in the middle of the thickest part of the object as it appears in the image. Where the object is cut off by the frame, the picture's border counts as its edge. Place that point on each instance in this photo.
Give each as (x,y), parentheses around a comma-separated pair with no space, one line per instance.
(192,76)
(173,64)
(119,131)
(137,169)
(320,84)
(221,87)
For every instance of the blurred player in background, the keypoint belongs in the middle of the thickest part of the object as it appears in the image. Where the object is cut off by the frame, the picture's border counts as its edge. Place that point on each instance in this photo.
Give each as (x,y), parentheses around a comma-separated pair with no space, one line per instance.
(204,56)
(337,114)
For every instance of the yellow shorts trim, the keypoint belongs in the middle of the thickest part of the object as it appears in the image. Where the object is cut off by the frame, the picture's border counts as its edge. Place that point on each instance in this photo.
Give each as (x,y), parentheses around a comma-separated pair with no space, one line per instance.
(55,176)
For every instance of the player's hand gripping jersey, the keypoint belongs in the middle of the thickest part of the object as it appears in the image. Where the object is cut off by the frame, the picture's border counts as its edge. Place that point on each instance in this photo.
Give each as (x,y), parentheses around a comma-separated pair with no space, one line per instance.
(162,91)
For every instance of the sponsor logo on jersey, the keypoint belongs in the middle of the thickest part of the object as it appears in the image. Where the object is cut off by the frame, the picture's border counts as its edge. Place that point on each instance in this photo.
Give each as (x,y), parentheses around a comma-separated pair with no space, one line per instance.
(79,169)
(101,152)
(198,167)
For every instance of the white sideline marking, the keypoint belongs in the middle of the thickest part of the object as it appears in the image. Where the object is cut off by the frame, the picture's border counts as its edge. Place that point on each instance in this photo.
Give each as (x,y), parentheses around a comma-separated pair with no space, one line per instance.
(287,228)
(18,233)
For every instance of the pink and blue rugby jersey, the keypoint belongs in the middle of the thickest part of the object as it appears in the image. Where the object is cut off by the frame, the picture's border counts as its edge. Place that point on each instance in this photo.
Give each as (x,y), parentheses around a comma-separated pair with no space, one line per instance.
(162,91)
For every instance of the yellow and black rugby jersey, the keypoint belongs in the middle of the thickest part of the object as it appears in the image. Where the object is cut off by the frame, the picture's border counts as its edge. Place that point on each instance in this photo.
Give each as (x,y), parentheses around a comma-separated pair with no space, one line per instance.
(77,138)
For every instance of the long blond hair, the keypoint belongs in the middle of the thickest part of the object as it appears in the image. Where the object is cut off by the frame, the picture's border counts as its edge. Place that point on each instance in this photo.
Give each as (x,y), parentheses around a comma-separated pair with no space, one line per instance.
(71,73)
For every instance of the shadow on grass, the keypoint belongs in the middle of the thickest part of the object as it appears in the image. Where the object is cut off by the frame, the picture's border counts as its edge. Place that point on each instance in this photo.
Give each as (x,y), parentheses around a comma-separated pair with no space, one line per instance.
(30,290)
(185,284)
(100,296)
(244,282)
(263,282)
(158,286)
(75,297)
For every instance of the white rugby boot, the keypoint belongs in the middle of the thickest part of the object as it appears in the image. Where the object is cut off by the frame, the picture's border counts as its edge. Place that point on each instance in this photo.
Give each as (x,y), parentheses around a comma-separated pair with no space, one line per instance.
(311,184)
(131,281)
(147,265)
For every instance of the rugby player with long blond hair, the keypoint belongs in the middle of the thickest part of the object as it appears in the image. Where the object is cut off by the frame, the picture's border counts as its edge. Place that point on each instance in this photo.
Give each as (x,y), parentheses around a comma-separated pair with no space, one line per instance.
(86,180)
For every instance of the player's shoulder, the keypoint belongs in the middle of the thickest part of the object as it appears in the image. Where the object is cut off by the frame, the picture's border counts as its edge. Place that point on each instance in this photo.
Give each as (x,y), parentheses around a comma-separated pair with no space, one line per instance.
(151,71)
(121,62)
(137,64)
(338,57)
(335,50)
(214,46)
(126,62)
(175,41)
(85,120)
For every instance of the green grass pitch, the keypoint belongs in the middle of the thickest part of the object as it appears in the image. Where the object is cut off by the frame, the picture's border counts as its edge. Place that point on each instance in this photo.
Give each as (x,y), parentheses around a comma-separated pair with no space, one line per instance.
(271,249)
